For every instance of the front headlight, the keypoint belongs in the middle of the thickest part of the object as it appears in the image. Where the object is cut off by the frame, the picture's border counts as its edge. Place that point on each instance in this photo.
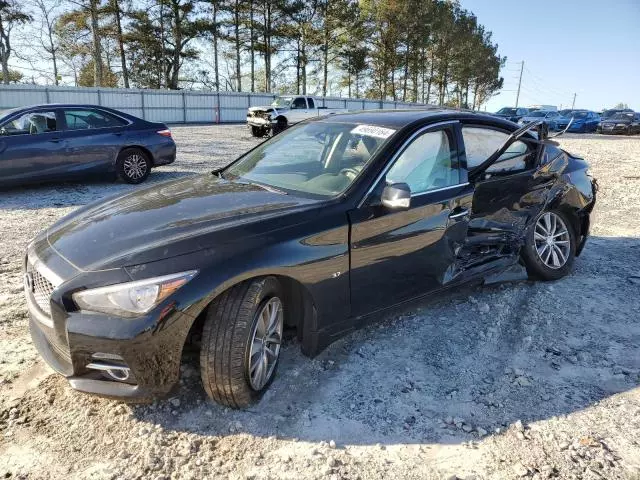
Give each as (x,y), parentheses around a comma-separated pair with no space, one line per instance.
(621,124)
(131,299)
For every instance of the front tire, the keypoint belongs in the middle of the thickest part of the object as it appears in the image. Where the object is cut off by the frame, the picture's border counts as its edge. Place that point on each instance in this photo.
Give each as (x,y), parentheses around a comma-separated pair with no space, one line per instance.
(257,131)
(550,246)
(133,165)
(241,341)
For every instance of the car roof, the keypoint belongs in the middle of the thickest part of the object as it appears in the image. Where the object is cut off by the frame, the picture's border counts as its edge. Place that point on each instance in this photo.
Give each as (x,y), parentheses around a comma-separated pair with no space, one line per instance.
(28,108)
(402,117)
(61,105)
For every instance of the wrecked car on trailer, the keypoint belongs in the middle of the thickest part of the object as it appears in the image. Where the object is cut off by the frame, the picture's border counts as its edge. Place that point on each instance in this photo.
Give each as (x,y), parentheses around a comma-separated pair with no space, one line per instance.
(317,229)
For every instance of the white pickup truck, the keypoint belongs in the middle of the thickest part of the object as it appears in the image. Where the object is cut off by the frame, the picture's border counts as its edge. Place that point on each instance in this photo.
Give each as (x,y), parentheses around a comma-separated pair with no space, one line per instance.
(284,112)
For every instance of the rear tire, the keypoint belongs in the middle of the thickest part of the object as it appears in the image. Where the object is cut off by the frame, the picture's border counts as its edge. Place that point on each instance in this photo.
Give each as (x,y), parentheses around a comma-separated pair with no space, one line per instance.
(550,259)
(133,165)
(236,337)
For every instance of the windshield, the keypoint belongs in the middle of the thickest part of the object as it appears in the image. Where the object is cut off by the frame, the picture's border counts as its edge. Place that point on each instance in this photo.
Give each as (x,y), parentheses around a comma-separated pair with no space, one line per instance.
(537,114)
(623,116)
(507,111)
(282,102)
(319,158)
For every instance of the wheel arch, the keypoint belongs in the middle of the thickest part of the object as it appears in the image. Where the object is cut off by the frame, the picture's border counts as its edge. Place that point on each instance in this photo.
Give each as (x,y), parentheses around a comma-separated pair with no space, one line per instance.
(145,150)
(299,306)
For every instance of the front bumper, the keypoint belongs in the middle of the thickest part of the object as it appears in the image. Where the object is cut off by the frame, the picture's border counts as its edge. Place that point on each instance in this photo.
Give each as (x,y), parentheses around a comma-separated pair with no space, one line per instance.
(150,348)
(613,130)
(259,122)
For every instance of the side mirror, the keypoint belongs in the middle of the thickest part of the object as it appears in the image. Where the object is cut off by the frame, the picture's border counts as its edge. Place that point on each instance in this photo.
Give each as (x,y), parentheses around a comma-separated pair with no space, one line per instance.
(396,196)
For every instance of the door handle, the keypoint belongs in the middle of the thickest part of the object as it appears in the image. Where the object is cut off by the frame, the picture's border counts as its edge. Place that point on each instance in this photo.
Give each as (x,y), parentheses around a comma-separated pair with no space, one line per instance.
(459,213)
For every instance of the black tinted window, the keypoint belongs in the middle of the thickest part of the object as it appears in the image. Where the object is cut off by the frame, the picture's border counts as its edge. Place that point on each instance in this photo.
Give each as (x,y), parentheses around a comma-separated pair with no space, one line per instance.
(31,124)
(88,119)
(310,102)
(299,103)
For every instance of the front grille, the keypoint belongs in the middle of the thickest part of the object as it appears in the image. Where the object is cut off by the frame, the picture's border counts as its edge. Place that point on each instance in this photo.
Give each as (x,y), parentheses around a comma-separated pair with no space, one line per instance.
(42,289)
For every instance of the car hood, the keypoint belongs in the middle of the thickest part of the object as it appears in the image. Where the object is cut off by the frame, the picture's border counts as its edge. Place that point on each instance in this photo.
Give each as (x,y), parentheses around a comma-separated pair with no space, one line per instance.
(165,220)
(267,109)
(531,119)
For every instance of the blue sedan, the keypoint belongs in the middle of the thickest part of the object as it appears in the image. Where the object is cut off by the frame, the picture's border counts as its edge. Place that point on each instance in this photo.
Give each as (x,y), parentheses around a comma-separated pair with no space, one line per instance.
(583,121)
(62,142)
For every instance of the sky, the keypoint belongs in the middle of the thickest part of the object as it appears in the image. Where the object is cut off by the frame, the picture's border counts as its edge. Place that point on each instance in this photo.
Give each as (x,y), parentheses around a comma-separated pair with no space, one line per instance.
(589,47)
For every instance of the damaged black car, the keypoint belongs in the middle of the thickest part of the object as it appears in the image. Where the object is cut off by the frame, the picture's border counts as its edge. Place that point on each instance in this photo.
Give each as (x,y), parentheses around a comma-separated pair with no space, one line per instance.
(316,230)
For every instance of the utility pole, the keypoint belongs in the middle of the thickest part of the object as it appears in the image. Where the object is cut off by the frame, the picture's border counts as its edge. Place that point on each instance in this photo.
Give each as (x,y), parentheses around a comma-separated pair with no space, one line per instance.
(519,83)
(573,104)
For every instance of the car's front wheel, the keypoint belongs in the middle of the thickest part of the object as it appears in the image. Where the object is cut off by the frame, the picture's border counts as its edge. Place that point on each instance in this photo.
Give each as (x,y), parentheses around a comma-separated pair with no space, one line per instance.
(133,165)
(241,341)
(550,246)
(257,131)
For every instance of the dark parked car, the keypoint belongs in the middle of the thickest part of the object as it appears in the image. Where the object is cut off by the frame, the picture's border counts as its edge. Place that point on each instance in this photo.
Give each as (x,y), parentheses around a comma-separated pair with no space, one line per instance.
(607,114)
(64,142)
(582,121)
(513,114)
(549,119)
(318,229)
(626,123)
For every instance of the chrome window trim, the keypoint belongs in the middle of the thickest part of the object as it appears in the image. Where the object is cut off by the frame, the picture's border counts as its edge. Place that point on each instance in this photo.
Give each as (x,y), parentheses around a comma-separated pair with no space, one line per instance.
(44,270)
(442,189)
(395,156)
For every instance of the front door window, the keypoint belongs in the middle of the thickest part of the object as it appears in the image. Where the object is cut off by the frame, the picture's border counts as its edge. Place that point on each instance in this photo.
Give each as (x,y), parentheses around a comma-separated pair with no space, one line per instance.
(427,163)
(32,123)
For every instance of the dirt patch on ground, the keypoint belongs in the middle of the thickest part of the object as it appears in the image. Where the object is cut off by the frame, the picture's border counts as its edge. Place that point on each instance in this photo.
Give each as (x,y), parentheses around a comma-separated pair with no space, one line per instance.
(532,380)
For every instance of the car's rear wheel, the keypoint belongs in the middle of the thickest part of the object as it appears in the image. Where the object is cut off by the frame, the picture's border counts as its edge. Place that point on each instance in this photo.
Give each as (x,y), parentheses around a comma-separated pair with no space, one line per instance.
(241,341)
(133,165)
(550,246)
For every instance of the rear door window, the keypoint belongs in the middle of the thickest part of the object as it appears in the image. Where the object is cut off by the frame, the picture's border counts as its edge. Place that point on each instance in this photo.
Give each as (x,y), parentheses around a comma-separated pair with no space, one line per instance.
(32,123)
(481,142)
(85,119)
(299,103)
(310,102)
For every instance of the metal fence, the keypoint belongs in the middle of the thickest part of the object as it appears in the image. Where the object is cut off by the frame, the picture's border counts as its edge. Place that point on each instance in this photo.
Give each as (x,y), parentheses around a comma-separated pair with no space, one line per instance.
(169,106)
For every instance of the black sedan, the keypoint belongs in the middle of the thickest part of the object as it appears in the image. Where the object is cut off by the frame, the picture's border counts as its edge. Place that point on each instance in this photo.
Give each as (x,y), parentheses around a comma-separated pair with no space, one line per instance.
(63,142)
(625,123)
(513,114)
(318,229)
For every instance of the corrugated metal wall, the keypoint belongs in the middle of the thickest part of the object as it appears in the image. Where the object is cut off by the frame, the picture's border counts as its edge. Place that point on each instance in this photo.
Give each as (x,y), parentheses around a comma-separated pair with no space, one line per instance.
(184,106)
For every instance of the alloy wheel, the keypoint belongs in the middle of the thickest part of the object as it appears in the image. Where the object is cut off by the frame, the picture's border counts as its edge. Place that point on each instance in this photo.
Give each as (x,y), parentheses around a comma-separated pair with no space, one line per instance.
(265,343)
(552,240)
(135,166)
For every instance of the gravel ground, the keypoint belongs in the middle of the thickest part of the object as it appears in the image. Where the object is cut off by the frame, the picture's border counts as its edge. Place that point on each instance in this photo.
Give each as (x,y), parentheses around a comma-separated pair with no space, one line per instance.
(531,380)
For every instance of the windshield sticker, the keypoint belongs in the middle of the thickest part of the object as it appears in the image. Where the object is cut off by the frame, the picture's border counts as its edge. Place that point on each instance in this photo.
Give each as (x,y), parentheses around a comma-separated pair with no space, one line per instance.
(373,131)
